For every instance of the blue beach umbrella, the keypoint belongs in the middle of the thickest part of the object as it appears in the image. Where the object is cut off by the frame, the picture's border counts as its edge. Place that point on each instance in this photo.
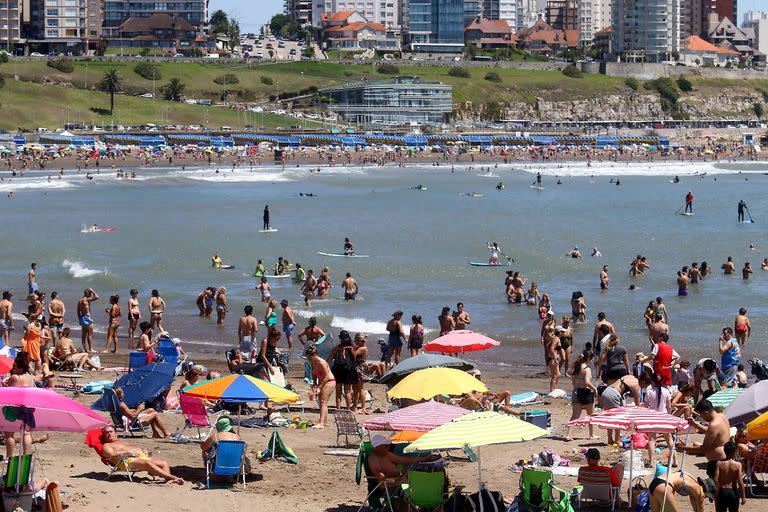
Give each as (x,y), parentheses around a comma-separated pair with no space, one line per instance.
(143,384)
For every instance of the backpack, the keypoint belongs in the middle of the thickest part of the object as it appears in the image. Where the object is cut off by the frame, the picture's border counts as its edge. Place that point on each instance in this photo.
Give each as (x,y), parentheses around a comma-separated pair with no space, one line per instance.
(492,501)
(344,359)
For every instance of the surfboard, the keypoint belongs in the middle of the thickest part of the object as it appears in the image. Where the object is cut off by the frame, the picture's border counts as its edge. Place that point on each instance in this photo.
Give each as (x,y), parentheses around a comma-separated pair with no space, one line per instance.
(273,276)
(336,255)
(747,222)
(273,230)
(419,189)
(687,214)
(537,188)
(471,195)
(98,230)
(227,267)
(486,264)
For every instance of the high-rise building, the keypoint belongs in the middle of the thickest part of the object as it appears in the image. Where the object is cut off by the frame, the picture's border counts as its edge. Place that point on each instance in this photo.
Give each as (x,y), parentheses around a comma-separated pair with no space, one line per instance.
(758,21)
(562,14)
(510,11)
(59,24)
(434,25)
(386,12)
(646,30)
(473,9)
(12,13)
(118,11)
(594,16)
(301,11)
(723,9)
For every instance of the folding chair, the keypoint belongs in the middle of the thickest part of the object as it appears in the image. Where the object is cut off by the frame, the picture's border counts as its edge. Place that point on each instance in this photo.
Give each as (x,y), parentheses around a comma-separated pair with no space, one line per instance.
(757,466)
(379,497)
(229,461)
(195,415)
(120,421)
(425,489)
(167,350)
(597,487)
(347,425)
(56,363)
(537,490)
(279,380)
(18,473)
(137,360)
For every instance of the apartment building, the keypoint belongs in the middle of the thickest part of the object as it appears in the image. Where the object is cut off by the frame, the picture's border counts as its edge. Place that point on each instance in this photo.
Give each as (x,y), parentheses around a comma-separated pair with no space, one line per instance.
(646,30)
(116,12)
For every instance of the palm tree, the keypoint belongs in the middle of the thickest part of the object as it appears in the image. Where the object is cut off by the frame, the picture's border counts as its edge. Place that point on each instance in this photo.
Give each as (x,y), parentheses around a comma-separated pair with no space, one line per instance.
(110,84)
(174,90)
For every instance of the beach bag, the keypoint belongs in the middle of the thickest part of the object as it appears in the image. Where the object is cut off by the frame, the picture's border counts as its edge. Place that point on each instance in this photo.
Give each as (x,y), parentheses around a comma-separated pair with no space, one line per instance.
(492,501)
(549,458)
(643,502)
(344,360)
(640,440)
(637,488)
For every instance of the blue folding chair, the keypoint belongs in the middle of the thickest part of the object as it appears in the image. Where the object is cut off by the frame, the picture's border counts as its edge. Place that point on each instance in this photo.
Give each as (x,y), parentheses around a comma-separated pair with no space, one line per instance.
(166,348)
(137,360)
(229,461)
(121,422)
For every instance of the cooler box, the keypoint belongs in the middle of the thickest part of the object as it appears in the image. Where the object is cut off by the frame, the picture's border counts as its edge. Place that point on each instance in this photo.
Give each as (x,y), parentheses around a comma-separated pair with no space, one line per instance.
(540,418)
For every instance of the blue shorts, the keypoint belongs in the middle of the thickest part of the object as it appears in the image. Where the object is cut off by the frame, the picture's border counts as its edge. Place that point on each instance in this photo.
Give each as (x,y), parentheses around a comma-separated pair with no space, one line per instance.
(288,329)
(682,293)
(85,321)
(32,287)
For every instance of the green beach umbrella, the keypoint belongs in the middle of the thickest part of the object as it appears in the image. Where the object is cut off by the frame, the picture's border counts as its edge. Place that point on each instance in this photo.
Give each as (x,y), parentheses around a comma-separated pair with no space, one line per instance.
(724,397)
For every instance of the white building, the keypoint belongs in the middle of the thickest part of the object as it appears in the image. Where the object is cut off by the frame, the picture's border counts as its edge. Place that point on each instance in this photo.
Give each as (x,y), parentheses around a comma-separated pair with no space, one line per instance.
(532,10)
(646,30)
(11,14)
(759,22)
(594,16)
(386,12)
(510,11)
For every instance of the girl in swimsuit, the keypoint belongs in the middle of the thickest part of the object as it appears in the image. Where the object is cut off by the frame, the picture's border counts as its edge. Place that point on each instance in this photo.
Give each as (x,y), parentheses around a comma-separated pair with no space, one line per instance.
(221,305)
(532,297)
(544,307)
(323,382)
(134,314)
(264,287)
(114,313)
(156,310)
(416,336)
(584,393)
(270,316)
(396,335)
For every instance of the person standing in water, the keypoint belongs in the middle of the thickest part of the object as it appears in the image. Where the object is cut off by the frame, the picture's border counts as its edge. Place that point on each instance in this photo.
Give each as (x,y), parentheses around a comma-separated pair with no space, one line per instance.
(265,227)
(689,202)
(740,209)
(32,278)
(604,280)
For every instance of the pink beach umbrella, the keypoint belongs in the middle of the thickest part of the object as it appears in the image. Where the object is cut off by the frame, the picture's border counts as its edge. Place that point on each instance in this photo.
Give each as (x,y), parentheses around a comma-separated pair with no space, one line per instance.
(44,410)
(460,341)
(421,417)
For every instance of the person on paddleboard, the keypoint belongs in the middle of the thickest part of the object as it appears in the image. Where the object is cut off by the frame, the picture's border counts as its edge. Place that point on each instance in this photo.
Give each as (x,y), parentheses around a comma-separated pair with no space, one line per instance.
(689,202)
(349,249)
(494,248)
(740,208)
(538,179)
(266,218)
(216,260)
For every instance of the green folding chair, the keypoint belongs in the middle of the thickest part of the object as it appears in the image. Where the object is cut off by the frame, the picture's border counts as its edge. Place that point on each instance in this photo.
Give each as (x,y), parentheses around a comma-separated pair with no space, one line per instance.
(18,471)
(537,490)
(425,489)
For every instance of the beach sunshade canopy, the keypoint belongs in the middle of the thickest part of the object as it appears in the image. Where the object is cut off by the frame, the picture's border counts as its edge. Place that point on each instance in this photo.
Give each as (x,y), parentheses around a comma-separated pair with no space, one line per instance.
(477,429)
(420,362)
(421,417)
(142,384)
(456,342)
(724,397)
(749,405)
(757,429)
(630,417)
(430,382)
(240,388)
(44,409)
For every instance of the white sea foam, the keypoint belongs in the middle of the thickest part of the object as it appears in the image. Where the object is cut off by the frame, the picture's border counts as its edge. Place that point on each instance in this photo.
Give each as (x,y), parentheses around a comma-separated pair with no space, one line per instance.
(657,168)
(78,270)
(239,176)
(358,324)
(13,185)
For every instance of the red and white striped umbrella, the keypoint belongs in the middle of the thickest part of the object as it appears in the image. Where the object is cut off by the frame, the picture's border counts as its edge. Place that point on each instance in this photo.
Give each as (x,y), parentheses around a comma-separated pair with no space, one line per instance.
(421,417)
(456,342)
(638,419)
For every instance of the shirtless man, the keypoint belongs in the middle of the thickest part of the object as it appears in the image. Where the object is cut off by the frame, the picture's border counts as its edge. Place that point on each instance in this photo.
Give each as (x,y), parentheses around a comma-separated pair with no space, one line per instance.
(133,458)
(596,336)
(741,326)
(729,478)
(642,265)
(6,320)
(746,270)
(56,311)
(604,278)
(461,317)
(31,278)
(308,289)
(447,323)
(682,284)
(85,320)
(716,434)
(658,328)
(289,322)
(350,287)
(728,267)
(246,333)
(694,274)
(517,281)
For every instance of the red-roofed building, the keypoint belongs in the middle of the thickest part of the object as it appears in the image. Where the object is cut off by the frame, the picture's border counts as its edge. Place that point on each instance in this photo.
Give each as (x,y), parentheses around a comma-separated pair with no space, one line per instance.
(695,51)
(485,33)
(349,30)
(542,38)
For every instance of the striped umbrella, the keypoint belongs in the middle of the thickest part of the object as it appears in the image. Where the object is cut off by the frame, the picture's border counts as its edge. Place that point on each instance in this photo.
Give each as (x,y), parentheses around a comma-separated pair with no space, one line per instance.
(421,417)
(630,417)
(460,341)
(724,397)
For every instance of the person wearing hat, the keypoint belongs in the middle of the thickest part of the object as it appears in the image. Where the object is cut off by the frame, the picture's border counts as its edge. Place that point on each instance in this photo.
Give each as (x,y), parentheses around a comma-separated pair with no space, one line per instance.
(223,431)
(615,471)
(384,463)
(6,320)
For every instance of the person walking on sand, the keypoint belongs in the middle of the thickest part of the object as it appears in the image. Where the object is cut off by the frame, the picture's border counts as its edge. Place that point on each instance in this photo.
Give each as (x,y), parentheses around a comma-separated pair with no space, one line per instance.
(289,322)
(742,326)
(324,383)
(56,311)
(114,313)
(689,202)
(265,218)
(6,317)
(85,320)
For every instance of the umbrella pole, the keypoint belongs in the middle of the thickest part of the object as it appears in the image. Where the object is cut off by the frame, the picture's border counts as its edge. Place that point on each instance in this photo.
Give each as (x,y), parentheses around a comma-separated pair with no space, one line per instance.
(669,468)
(631,462)
(480,478)
(21,453)
(239,406)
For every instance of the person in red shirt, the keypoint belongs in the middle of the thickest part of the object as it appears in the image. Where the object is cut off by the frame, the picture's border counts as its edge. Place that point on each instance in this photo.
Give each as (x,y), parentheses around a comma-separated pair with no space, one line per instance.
(689,202)
(616,471)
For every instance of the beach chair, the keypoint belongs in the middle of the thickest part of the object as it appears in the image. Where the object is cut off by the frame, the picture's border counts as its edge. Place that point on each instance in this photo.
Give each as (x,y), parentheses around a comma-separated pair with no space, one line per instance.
(596,487)
(18,481)
(537,490)
(755,468)
(425,489)
(195,416)
(229,461)
(347,425)
(137,360)
(93,440)
(379,497)
(56,363)
(121,422)
(166,351)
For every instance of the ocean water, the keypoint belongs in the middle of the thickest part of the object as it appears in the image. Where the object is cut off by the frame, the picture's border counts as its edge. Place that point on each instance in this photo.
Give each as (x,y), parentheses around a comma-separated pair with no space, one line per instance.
(170,221)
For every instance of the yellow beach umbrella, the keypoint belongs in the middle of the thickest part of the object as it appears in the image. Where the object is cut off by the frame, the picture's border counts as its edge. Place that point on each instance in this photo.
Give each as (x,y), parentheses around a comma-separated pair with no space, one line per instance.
(758,428)
(430,382)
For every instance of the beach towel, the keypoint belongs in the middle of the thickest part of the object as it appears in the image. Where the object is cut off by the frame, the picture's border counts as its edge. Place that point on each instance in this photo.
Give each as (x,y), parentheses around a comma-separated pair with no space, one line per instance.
(96,387)
(523,398)
(93,440)
(277,449)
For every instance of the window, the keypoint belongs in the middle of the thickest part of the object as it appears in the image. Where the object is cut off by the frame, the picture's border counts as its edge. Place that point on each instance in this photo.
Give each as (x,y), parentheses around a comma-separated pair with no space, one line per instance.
(52,33)
(51,12)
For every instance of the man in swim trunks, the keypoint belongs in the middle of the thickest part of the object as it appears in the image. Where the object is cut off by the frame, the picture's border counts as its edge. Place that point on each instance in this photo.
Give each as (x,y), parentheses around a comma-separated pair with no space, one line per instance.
(246,333)
(742,327)
(746,270)
(85,320)
(716,434)
(308,289)
(6,319)
(597,335)
(350,287)
(133,458)
(461,317)
(728,267)
(604,278)
(682,284)
(289,322)
(689,202)
(658,328)
(56,310)
(31,278)
(740,210)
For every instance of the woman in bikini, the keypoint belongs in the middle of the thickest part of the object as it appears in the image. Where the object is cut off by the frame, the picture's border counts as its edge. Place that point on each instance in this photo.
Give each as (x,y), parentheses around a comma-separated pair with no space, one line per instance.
(114,313)
(584,393)
(416,336)
(551,344)
(156,310)
(578,307)
(134,314)
(324,383)
(264,287)
(396,336)
(311,332)
(221,305)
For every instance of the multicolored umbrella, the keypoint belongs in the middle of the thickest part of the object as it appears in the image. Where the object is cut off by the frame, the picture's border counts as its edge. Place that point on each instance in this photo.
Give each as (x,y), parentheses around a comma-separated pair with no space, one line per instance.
(240,388)
(430,382)
(420,362)
(724,397)
(421,417)
(456,342)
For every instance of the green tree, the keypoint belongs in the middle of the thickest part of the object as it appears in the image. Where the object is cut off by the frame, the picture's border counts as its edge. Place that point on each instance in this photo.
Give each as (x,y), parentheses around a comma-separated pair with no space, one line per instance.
(174,90)
(110,84)
(278,21)
(684,84)
(759,110)
(234,34)
(219,22)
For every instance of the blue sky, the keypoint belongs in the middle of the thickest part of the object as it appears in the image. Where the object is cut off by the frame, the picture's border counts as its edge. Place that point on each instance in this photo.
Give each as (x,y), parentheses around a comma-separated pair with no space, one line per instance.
(251,14)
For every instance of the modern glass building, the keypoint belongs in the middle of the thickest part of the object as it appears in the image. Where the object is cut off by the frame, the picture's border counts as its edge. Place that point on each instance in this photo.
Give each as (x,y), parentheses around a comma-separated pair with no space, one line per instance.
(437,25)
(399,100)
(117,11)
(646,30)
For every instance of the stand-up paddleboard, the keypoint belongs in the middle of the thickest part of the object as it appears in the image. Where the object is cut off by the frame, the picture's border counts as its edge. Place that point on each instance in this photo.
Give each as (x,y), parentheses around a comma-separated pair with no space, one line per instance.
(336,255)
(272,276)
(98,230)
(419,188)
(747,222)
(225,267)
(687,214)
(273,230)
(471,194)
(486,264)
(537,188)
